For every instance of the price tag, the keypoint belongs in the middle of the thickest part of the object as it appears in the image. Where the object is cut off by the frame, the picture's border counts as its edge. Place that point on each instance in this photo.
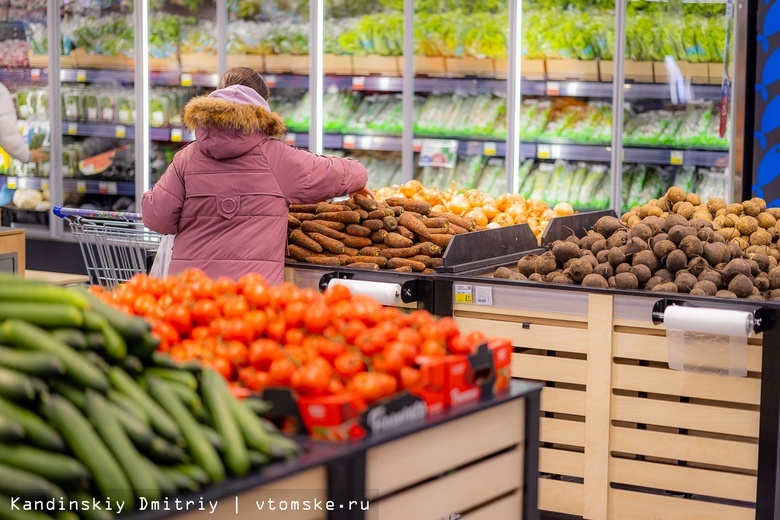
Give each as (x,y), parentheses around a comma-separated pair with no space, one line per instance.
(553,88)
(120,131)
(439,153)
(291,138)
(358,83)
(676,157)
(417,145)
(112,188)
(81,187)
(103,187)
(349,142)
(73,129)
(543,151)
(45,185)
(270,80)
(176,135)
(484,295)
(186,80)
(81,76)
(35,74)
(463,294)
(489,149)
(10,182)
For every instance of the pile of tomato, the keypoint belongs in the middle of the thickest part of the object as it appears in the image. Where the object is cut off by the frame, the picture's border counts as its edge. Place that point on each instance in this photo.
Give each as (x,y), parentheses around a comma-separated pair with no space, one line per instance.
(318,344)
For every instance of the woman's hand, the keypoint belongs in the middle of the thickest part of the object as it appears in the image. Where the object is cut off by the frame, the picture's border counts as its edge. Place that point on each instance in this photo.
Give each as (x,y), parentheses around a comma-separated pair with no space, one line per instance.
(365,191)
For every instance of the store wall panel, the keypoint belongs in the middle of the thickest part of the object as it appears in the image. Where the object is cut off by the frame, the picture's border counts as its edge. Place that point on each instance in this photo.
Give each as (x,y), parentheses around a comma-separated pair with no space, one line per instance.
(561,431)
(503,508)
(560,496)
(563,400)
(628,505)
(561,462)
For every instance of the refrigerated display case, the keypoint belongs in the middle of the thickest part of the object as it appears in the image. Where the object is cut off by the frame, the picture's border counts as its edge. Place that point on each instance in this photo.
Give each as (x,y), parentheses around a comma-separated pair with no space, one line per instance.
(501,96)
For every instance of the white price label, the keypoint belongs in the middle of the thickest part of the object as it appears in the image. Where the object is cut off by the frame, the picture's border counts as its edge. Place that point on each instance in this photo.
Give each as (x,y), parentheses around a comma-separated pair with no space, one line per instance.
(124,116)
(291,138)
(81,187)
(120,131)
(112,188)
(417,145)
(483,295)
(270,80)
(463,294)
(108,115)
(553,88)
(676,157)
(73,129)
(176,135)
(35,74)
(158,118)
(103,187)
(10,182)
(358,83)
(186,80)
(81,76)
(92,113)
(349,142)
(489,149)
(543,151)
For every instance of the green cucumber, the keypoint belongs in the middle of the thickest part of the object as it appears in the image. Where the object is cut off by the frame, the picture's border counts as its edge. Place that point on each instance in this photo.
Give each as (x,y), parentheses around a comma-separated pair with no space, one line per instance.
(102,415)
(49,315)
(20,483)
(113,344)
(40,294)
(193,472)
(141,434)
(7,514)
(129,406)
(256,435)
(145,347)
(55,467)
(166,485)
(163,360)
(164,452)
(72,337)
(11,431)
(71,393)
(33,363)
(216,395)
(188,397)
(203,453)
(161,422)
(180,480)
(16,386)
(21,334)
(131,328)
(258,406)
(213,437)
(88,513)
(98,360)
(133,365)
(67,515)
(258,458)
(95,341)
(89,449)
(181,377)
(36,430)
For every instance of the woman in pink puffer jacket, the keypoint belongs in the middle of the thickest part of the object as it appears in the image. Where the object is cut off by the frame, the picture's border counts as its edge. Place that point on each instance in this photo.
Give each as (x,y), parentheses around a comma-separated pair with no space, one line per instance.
(226,196)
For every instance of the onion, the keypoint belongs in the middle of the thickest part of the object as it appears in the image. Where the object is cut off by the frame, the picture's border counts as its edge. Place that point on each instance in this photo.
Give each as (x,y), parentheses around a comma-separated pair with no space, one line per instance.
(459,204)
(439,208)
(411,187)
(504,219)
(493,225)
(478,215)
(490,211)
(564,209)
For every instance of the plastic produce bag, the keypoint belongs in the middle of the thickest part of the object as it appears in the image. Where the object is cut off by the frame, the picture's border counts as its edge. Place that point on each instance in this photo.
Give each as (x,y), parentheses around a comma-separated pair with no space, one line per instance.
(163,257)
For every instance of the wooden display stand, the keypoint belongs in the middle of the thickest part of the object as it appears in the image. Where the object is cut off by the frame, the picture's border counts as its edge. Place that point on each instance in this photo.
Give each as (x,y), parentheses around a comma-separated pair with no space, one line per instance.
(252,61)
(433,66)
(470,67)
(697,73)
(379,65)
(572,70)
(95,61)
(198,62)
(13,248)
(533,70)
(163,64)
(286,64)
(337,64)
(41,61)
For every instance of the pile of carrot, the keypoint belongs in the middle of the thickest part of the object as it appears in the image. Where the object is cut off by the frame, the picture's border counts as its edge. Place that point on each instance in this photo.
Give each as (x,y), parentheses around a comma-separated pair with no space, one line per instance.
(399,234)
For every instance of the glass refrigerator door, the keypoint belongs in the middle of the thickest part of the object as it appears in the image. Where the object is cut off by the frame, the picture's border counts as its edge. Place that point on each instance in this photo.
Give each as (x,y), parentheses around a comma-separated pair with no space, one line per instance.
(676,113)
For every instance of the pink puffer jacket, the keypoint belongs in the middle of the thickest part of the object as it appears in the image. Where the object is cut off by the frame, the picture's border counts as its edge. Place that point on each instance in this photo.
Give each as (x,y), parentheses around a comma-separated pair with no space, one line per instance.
(226,196)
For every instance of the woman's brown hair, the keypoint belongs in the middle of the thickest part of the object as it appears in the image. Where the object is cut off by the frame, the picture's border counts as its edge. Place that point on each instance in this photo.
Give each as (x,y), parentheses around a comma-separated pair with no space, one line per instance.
(246,77)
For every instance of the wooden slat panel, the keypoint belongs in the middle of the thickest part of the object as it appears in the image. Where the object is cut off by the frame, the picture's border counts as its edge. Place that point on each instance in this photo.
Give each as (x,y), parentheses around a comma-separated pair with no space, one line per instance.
(672,382)
(470,309)
(560,496)
(653,348)
(309,485)
(628,505)
(544,337)
(561,462)
(414,458)
(457,492)
(685,447)
(714,419)
(548,368)
(560,431)
(683,479)
(563,400)
(507,507)
(756,339)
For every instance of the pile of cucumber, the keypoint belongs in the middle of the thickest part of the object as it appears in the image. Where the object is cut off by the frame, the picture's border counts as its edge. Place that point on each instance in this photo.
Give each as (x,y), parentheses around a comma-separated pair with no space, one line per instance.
(88,409)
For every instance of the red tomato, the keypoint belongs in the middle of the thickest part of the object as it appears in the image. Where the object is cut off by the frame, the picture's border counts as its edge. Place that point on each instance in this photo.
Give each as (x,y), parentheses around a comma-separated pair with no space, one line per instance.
(348,364)
(407,351)
(253,379)
(156,287)
(281,371)
(410,336)
(311,379)
(447,327)
(205,311)
(235,307)
(327,348)
(145,304)
(179,317)
(182,294)
(257,321)
(430,348)
(263,352)
(294,337)
(335,386)
(257,295)
(204,288)
(276,329)
(373,386)
(200,333)
(237,329)
(317,318)
(476,338)
(371,341)
(389,362)
(249,280)
(236,352)
(352,329)
(460,345)
(336,293)
(165,301)
(165,332)
(419,318)
(294,313)
(221,365)
(410,377)
(224,285)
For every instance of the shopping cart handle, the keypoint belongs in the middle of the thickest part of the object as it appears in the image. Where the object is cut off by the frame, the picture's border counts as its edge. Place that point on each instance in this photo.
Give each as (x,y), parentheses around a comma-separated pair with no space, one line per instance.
(63,212)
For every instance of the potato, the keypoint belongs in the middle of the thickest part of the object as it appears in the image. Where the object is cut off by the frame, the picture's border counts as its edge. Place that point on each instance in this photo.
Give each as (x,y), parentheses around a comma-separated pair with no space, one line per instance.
(634,220)
(693,199)
(685,209)
(719,222)
(761,203)
(655,211)
(747,225)
(715,204)
(675,194)
(729,233)
(732,220)
(766,220)
(753,209)
(760,237)
(702,214)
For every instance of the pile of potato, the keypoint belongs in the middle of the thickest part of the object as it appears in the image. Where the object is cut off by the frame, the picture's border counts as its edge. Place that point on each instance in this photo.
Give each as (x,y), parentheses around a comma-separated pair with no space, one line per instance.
(504,210)
(676,244)
(400,234)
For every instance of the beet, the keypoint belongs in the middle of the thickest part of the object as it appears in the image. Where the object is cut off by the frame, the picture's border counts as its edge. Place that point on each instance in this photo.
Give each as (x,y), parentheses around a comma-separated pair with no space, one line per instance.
(707,286)
(565,251)
(677,233)
(674,220)
(607,226)
(626,281)
(642,273)
(580,269)
(685,282)
(616,256)
(635,245)
(725,294)
(676,260)
(663,248)
(617,240)
(640,231)
(604,270)
(735,267)
(595,280)
(665,274)
(545,264)
(716,253)
(647,258)
(665,287)
(691,246)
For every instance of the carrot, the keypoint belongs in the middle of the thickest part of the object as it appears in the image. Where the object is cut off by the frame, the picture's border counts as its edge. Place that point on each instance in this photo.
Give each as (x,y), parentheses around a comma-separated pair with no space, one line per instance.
(381,213)
(293,222)
(455,229)
(404,232)
(350,204)
(436,262)
(378,260)
(390,223)
(288,260)
(358,231)
(303,208)
(403,269)
(428,249)
(311,226)
(327,207)
(434,223)
(378,237)
(324,260)
(414,225)
(299,253)
(338,226)
(381,246)
(400,252)
(363,214)
(345,217)
(398,210)
(418,206)
(369,251)
(400,262)
(303,216)
(364,265)
(439,231)
(397,241)
(428,270)
(300,238)
(480,228)
(365,203)
(423,259)
(374,224)
(465,223)
(357,242)
(334,246)
(350,251)
(440,240)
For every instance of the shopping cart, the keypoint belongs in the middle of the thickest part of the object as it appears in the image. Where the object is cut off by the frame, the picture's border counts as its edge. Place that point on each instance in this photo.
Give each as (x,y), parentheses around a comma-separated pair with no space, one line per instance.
(115,245)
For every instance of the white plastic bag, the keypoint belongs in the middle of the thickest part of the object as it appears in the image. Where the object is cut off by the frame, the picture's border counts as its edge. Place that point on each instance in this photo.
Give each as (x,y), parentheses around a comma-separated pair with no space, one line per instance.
(163,258)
